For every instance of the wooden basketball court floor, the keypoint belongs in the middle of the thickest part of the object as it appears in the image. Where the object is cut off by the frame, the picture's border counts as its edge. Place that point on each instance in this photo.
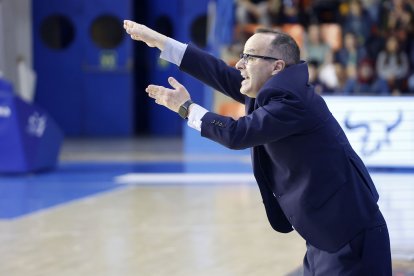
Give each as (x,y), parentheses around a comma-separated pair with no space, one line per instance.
(131,207)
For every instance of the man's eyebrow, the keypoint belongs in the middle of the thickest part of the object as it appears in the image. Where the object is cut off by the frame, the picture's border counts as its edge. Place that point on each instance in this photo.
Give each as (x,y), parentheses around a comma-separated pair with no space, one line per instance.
(250,51)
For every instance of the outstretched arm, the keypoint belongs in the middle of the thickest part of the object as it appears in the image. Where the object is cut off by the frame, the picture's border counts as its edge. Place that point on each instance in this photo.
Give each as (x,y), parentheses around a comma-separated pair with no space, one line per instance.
(142,33)
(207,68)
(282,111)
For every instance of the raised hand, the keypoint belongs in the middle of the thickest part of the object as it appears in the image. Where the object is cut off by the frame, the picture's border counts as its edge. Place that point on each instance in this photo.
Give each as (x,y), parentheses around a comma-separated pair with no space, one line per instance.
(141,32)
(170,98)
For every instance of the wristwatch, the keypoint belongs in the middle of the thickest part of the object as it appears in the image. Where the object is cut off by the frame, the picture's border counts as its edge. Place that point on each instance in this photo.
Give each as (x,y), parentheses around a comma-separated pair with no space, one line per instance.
(183,111)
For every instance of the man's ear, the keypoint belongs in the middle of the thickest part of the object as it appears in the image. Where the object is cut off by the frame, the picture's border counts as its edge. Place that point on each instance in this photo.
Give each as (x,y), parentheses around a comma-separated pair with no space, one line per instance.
(279,65)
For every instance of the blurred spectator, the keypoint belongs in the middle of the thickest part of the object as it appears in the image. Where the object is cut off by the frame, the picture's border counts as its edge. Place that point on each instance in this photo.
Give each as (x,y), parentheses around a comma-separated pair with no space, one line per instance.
(397,19)
(373,9)
(290,11)
(315,48)
(263,12)
(342,77)
(313,69)
(351,54)
(325,11)
(411,83)
(400,16)
(374,44)
(392,65)
(365,82)
(411,53)
(334,73)
(358,22)
(327,74)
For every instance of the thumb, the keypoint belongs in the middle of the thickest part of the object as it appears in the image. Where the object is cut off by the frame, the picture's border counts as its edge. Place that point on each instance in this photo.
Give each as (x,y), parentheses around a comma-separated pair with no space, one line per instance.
(174,83)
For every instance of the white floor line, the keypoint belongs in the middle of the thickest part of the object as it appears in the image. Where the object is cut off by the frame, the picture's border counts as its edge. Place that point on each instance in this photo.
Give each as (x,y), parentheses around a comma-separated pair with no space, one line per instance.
(148,178)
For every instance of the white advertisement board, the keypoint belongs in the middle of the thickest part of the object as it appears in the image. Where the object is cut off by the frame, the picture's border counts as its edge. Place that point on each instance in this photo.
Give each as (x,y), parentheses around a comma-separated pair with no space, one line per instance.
(380,129)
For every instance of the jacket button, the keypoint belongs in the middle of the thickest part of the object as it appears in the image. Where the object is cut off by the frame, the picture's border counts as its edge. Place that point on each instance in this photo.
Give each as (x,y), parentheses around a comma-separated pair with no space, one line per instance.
(277,195)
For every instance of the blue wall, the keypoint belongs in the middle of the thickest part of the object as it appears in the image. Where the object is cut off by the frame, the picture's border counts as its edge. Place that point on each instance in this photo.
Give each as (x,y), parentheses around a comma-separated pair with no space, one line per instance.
(88,89)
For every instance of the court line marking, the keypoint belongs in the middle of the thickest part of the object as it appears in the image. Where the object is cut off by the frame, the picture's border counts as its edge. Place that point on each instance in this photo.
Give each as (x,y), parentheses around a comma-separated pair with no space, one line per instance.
(148,178)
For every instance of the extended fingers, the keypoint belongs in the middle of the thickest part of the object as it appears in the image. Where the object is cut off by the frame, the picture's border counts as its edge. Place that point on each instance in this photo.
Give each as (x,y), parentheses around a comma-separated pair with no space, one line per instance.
(128,26)
(170,98)
(174,83)
(142,33)
(156,91)
(152,90)
(131,28)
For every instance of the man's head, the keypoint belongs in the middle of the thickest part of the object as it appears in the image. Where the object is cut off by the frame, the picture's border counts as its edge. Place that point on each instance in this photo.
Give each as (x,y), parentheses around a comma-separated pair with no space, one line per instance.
(266,53)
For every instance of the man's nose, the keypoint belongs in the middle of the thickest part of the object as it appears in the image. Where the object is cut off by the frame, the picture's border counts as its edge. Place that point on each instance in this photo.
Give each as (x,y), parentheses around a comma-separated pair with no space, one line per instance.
(240,64)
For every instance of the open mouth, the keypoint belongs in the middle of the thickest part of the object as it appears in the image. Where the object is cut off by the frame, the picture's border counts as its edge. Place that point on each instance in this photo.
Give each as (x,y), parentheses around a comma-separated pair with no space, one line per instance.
(246,79)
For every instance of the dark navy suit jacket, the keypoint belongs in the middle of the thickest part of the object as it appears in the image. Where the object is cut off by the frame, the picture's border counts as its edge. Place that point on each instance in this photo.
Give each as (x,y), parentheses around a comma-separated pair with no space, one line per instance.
(309,176)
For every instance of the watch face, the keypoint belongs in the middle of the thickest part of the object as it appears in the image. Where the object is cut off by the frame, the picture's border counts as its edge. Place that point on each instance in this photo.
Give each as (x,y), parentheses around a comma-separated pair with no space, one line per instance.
(183,112)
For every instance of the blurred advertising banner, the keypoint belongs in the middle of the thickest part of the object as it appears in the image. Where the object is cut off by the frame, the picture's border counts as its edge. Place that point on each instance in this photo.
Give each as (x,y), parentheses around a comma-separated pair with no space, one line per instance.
(380,129)
(30,140)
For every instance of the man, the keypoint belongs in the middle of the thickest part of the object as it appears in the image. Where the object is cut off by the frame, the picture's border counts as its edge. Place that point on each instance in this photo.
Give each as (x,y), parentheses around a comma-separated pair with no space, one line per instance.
(310,178)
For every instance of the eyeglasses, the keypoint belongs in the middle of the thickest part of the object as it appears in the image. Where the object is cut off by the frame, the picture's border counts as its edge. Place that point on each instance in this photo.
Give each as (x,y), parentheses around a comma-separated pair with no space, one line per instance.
(247,57)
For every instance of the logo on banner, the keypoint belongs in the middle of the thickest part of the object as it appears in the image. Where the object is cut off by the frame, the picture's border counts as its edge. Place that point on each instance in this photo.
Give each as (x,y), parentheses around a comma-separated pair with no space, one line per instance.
(376,131)
(5,111)
(108,60)
(36,124)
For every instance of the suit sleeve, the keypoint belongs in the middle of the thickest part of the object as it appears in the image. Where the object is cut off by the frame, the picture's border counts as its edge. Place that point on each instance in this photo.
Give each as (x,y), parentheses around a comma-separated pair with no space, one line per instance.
(280,117)
(213,72)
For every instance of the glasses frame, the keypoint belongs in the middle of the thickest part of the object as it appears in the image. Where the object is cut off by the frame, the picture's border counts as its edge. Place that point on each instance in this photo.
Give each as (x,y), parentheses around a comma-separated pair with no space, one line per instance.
(245,57)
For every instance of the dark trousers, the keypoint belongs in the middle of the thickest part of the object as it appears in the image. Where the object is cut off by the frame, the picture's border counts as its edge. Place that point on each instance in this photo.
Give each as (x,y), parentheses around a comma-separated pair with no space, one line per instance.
(366,254)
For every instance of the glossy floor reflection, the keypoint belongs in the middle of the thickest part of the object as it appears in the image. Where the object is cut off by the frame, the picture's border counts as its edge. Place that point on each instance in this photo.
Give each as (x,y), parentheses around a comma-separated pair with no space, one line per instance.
(78,220)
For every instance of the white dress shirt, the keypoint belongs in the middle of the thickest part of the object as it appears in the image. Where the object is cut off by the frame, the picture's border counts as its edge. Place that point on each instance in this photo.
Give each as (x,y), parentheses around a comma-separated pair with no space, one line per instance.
(173,52)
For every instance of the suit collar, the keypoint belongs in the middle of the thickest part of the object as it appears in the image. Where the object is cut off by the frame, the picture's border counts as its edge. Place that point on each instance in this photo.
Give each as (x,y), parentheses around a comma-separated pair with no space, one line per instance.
(292,78)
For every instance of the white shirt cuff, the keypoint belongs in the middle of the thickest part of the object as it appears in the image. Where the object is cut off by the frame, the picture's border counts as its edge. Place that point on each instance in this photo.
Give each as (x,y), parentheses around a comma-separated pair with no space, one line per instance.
(173,51)
(196,113)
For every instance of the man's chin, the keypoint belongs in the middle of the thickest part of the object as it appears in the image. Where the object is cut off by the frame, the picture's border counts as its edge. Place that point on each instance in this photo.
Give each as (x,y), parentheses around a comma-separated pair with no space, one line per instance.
(247,93)
(244,91)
